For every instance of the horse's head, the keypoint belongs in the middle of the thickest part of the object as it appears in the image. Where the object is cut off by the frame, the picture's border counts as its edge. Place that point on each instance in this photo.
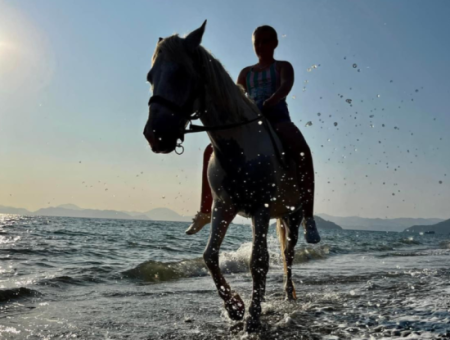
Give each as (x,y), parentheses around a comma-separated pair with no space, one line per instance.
(175,85)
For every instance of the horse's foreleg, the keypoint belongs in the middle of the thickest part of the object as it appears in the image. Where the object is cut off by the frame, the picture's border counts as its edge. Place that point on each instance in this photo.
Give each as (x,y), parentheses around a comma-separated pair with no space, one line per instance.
(259,263)
(293,223)
(222,215)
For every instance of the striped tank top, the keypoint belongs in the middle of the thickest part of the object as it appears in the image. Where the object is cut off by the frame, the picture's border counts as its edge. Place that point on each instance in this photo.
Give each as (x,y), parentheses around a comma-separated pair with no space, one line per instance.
(261,85)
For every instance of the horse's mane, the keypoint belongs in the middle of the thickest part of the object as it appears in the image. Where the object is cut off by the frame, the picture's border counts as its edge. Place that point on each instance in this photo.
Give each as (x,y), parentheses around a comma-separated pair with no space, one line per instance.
(226,95)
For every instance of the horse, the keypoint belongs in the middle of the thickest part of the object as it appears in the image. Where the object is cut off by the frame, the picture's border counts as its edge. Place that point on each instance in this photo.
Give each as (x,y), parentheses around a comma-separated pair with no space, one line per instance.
(248,173)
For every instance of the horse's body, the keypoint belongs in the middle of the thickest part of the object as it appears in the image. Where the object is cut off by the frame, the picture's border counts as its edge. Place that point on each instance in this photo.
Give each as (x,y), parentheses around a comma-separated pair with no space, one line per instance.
(245,173)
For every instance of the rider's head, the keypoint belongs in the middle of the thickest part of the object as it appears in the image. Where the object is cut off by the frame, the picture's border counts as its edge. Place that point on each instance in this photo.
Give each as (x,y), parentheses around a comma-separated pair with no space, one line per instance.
(265,40)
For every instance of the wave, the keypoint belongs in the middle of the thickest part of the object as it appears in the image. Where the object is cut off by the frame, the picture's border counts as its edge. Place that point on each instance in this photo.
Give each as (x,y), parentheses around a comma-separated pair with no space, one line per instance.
(17,293)
(409,240)
(60,281)
(230,263)
(43,252)
(444,244)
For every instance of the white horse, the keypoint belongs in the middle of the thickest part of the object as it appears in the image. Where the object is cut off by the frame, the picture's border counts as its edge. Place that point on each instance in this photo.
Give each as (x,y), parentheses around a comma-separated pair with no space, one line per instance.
(247,174)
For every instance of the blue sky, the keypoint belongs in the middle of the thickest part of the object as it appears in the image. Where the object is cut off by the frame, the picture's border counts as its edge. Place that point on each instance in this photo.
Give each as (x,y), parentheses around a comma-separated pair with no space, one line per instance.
(73,100)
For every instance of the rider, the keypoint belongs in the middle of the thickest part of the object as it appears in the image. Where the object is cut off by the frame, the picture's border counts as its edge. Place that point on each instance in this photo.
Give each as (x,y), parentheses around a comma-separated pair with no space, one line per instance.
(268,83)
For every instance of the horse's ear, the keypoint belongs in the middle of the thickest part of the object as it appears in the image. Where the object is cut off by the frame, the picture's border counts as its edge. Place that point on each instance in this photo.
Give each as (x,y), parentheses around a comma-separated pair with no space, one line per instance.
(194,38)
(160,39)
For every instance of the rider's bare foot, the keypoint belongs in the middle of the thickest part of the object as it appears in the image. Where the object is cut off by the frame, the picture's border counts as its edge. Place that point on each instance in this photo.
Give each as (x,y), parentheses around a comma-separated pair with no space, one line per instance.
(198,222)
(311,232)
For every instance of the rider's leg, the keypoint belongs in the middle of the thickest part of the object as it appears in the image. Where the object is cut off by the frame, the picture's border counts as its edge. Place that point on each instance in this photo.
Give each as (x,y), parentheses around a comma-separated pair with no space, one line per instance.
(296,146)
(203,217)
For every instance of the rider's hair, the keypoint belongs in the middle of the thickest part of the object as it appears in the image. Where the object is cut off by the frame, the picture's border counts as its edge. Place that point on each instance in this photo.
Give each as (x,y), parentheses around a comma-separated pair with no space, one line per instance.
(268,29)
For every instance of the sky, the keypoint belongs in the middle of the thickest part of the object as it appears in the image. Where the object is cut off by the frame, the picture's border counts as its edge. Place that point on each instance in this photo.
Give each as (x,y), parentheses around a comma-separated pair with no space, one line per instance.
(372,81)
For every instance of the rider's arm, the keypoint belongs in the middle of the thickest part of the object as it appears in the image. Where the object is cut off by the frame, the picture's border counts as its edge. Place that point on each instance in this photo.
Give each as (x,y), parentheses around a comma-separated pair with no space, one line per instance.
(287,81)
(241,79)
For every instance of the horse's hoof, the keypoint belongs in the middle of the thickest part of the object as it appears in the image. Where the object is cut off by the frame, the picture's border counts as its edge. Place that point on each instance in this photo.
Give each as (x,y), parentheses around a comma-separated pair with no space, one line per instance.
(252,325)
(235,307)
(238,327)
(290,298)
(290,293)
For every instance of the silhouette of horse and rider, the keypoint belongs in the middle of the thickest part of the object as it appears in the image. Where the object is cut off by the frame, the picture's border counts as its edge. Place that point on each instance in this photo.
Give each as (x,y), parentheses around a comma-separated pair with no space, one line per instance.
(258,164)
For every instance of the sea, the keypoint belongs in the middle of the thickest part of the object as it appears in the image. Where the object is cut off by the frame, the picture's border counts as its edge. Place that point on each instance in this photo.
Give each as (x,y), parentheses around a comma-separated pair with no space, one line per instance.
(81,278)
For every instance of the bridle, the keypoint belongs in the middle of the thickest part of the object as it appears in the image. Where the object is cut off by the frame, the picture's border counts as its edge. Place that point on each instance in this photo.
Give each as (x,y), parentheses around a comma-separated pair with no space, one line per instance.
(186,111)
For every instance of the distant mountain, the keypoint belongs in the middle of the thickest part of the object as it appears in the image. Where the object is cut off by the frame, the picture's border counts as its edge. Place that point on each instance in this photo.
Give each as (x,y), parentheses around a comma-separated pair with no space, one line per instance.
(439,228)
(379,224)
(89,213)
(324,221)
(69,206)
(166,214)
(326,225)
(16,211)
(321,224)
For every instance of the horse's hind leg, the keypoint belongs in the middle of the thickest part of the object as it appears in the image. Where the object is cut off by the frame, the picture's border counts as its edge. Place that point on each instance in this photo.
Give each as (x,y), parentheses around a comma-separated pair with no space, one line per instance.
(259,263)
(222,215)
(292,222)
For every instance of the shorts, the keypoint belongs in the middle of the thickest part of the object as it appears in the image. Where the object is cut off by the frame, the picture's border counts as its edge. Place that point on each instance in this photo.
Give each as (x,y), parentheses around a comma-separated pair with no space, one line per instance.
(279,113)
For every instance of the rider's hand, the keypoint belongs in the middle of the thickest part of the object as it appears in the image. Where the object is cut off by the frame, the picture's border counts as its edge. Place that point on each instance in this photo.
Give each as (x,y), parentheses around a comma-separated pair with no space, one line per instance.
(268,103)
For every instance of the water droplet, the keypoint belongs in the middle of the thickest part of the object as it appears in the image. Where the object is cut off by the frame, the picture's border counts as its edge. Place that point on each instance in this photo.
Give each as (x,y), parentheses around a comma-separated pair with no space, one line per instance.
(302,154)
(348,101)
(260,122)
(266,205)
(440,182)
(308,124)
(335,124)
(379,96)
(355,66)
(318,113)
(293,97)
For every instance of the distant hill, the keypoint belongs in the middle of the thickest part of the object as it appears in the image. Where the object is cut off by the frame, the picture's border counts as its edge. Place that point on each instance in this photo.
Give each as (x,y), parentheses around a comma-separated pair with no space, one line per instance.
(324,221)
(439,228)
(166,214)
(16,211)
(89,213)
(379,224)
(327,225)
(69,206)
(321,224)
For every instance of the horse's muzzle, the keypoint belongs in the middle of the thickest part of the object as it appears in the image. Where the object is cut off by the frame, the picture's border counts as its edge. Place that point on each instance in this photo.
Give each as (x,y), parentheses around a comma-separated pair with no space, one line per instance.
(162,133)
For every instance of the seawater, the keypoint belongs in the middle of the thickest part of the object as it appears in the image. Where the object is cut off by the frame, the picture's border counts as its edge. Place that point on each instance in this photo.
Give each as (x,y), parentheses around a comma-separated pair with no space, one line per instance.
(80,278)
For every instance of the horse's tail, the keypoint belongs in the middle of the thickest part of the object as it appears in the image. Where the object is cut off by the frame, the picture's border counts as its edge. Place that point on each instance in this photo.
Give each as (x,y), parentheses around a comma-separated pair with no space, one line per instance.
(281,232)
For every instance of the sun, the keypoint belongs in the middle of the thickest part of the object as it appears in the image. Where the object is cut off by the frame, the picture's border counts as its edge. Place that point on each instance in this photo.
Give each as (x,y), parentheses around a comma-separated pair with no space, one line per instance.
(9,55)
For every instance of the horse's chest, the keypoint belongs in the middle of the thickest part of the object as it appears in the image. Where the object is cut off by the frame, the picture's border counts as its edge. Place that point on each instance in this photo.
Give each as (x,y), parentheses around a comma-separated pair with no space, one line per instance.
(246,185)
